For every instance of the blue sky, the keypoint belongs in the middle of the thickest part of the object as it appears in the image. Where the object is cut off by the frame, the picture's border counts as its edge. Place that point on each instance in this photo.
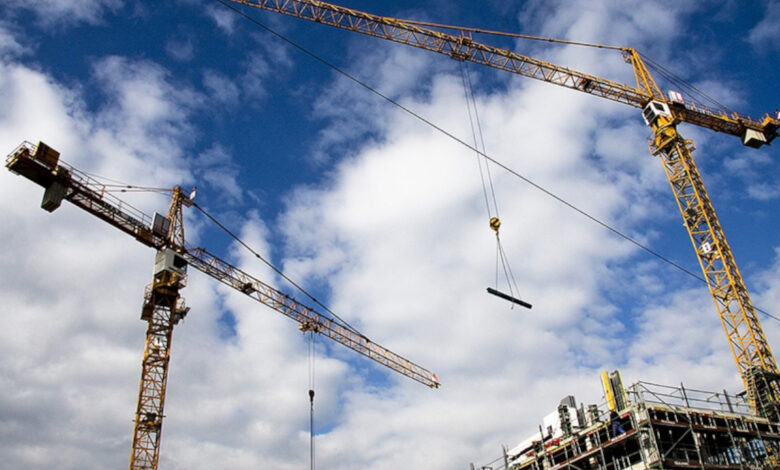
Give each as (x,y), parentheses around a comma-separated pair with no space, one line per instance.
(378,214)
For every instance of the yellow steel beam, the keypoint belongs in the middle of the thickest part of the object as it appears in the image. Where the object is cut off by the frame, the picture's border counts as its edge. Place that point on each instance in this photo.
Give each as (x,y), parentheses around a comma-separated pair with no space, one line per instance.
(463,47)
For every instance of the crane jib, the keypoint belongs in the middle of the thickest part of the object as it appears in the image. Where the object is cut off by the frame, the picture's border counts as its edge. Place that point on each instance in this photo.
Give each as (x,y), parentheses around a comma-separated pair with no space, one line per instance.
(40,164)
(306,316)
(463,47)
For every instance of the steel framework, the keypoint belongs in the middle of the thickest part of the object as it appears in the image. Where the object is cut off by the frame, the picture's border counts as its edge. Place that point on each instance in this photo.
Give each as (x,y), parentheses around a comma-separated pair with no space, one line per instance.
(662,428)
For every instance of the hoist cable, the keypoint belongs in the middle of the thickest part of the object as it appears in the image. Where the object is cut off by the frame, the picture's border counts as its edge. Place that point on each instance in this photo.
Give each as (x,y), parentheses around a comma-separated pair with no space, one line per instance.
(311,428)
(656,66)
(481,137)
(467,145)
(466,90)
(312,353)
(511,35)
(479,142)
(498,254)
(672,77)
(510,276)
(500,261)
(311,359)
(119,186)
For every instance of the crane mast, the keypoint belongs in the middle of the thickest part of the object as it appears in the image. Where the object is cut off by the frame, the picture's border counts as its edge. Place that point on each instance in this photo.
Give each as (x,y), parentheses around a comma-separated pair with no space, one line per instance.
(743,330)
(746,338)
(162,309)
(163,306)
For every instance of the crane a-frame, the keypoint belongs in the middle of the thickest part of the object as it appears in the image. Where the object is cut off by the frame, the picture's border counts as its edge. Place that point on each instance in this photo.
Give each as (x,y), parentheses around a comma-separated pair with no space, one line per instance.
(163,305)
(662,113)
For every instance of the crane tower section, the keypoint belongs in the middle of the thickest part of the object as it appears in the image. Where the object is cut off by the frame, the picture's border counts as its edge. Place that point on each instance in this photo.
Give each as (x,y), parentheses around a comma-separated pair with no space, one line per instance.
(163,308)
(738,317)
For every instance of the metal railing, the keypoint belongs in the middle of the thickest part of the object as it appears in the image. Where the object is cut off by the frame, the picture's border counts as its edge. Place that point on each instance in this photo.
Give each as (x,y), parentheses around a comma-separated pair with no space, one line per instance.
(681,397)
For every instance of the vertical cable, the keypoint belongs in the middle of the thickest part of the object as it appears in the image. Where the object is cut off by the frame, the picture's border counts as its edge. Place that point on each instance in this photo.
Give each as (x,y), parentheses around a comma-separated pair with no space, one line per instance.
(469,95)
(311,397)
(479,146)
(481,139)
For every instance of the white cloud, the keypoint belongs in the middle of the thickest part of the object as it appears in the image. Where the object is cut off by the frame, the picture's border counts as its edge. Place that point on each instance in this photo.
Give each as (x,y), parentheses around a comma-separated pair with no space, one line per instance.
(253,80)
(72,348)
(9,46)
(65,11)
(141,91)
(632,23)
(399,233)
(751,169)
(353,112)
(765,34)
(24,90)
(223,91)
(143,122)
(764,191)
(402,232)
(180,49)
(265,63)
(768,284)
(216,167)
(224,18)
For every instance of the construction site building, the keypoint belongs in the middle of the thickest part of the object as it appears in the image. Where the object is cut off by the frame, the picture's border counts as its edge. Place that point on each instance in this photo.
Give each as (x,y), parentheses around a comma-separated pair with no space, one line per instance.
(651,427)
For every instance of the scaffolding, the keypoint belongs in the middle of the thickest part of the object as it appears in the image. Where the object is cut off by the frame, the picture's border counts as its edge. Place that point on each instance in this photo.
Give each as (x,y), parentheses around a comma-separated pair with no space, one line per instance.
(661,427)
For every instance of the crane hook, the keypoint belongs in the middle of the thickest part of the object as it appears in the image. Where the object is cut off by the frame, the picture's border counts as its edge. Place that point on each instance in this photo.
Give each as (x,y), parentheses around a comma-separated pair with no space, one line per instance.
(495,223)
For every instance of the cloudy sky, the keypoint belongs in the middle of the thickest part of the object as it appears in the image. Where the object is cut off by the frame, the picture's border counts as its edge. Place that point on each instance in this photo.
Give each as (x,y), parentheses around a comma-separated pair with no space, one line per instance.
(378,214)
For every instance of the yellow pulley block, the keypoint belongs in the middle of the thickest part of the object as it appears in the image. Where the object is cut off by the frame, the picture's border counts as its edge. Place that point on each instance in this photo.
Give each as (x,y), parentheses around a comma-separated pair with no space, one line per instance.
(495,223)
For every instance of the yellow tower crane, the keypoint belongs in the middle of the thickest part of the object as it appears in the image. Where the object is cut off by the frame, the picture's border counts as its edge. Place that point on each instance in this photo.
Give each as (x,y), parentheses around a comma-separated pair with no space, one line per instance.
(662,113)
(163,305)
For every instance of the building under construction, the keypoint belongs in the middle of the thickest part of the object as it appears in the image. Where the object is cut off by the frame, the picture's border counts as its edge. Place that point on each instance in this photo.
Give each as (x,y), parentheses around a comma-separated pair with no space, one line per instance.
(650,427)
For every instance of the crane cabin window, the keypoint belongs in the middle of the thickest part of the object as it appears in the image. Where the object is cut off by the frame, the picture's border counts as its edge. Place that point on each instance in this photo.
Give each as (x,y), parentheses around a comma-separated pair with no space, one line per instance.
(653,110)
(161,225)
